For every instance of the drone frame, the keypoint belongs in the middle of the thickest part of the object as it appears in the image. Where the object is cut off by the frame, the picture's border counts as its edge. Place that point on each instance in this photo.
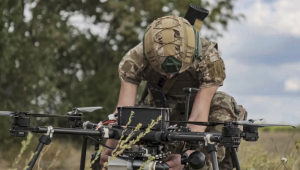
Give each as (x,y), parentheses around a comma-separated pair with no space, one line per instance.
(229,137)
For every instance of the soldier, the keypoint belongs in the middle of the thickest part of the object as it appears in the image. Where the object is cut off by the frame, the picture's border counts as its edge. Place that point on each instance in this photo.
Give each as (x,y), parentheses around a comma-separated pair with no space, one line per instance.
(172,56)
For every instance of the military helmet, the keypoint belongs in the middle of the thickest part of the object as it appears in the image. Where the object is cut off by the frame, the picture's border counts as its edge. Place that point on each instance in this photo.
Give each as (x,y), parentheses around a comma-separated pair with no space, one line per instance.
(171,44)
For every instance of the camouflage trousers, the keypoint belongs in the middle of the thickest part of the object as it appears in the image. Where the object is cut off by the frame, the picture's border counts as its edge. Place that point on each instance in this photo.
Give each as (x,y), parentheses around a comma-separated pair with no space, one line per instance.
(223,108)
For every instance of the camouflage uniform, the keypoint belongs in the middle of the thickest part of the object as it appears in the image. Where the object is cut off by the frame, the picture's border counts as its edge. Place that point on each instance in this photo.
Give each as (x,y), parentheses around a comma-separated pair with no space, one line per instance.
(206,71)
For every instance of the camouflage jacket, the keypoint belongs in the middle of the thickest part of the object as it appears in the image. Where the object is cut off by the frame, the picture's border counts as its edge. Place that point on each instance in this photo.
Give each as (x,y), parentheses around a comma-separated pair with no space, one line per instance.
(208,70)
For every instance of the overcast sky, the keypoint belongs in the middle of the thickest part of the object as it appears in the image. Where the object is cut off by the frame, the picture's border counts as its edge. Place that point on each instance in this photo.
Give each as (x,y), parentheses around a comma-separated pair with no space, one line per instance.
(262,59)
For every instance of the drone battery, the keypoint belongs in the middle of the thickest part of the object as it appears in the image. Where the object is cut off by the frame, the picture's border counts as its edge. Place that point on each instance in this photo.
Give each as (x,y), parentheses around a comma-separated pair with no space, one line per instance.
(143,115)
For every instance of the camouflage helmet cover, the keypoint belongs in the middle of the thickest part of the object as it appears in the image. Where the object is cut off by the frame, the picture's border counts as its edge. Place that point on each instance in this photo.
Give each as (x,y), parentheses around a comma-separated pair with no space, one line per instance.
(170,39)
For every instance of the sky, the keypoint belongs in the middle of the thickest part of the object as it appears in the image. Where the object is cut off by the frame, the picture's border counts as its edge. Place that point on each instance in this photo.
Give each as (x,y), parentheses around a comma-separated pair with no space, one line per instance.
(262,59)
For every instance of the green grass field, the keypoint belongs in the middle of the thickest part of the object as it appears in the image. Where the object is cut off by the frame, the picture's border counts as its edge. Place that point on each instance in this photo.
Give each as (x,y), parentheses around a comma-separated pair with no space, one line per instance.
(260,155)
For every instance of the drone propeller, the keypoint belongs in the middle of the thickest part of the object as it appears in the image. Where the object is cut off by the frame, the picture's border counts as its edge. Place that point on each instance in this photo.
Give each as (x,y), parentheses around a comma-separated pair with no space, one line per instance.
(249,121)
(262,125)
(50,115)
(199,123)
(85,109)
(11,113)
(89,109)
(6,113)
(243,123)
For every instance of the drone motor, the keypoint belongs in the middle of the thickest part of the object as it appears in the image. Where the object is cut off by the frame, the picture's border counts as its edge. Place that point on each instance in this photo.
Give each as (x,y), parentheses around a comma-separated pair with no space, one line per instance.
(75,121)
(21,121)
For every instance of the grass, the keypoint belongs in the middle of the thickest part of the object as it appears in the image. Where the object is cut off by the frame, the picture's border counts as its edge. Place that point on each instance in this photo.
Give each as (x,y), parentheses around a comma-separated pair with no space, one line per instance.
(265,154)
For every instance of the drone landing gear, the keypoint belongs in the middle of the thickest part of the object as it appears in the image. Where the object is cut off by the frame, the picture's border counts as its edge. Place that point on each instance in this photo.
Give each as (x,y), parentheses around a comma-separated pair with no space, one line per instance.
(43,140)
(235,159)
(83,152)
(212,150)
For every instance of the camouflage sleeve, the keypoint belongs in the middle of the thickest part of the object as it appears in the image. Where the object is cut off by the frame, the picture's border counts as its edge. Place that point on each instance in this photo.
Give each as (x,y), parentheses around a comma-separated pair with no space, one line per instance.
(132,65)
(211,66)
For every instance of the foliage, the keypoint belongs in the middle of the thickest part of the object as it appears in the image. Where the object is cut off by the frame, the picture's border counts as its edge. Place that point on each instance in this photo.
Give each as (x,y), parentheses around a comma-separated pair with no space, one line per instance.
(49,64)
(25,143)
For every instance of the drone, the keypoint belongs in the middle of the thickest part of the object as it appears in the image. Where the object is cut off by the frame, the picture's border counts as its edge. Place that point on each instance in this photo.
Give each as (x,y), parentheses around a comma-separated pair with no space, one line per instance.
(151,144)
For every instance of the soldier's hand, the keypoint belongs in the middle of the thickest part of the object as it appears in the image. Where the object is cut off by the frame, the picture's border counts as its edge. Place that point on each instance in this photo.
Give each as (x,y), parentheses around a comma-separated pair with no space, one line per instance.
(174,161)
(104,157)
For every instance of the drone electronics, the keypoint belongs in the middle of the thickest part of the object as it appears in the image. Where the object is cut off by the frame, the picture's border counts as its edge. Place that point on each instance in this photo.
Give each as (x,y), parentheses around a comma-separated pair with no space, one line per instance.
(144,116)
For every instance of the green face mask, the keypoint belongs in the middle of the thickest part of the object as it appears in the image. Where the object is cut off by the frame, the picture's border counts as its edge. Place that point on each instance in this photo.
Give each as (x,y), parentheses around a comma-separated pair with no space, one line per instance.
(171,65)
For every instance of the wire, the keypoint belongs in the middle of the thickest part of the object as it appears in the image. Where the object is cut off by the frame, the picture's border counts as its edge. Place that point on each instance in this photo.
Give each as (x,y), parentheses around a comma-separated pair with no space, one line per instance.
(108,121)
(101,143)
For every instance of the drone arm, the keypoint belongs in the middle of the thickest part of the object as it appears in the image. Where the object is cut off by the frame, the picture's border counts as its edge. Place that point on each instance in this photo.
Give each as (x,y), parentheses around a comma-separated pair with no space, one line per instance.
(113,133)
(159,136)
(194,136)
(68,131)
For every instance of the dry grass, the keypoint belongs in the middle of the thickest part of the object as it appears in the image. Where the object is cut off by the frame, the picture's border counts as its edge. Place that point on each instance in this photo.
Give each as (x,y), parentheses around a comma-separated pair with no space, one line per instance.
(266,154)
(61,155)
(260,155)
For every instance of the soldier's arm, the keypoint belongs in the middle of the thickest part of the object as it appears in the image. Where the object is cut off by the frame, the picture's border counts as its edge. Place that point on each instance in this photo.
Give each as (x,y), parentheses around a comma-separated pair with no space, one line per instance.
(127,94)
(127,97)
(212,74)
(130,69)
(201,107)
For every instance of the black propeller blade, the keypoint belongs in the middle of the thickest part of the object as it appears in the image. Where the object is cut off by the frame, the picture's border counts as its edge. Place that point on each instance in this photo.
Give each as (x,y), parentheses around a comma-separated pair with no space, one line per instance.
(11,113)
(199,123)
(49,115)
(263,125)
(248,123)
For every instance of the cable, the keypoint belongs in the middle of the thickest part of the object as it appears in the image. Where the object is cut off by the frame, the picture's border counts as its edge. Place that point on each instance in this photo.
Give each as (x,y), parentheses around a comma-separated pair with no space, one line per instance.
(101,143)
(108,121)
